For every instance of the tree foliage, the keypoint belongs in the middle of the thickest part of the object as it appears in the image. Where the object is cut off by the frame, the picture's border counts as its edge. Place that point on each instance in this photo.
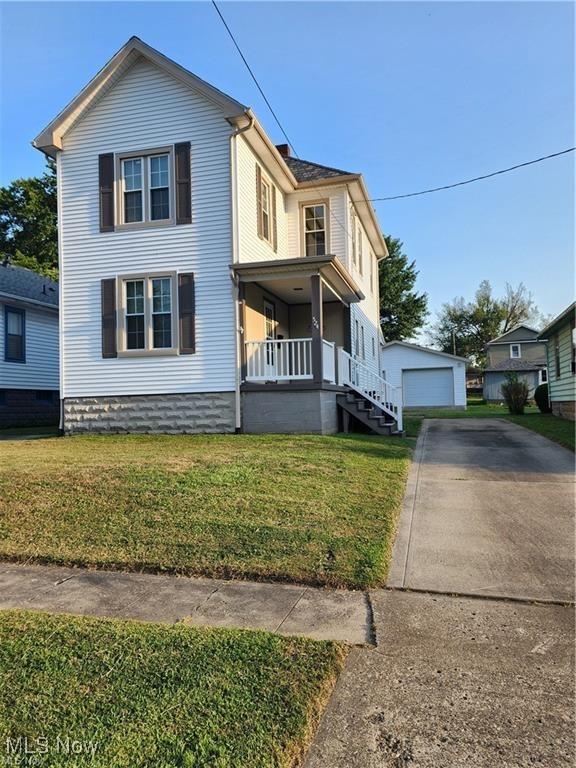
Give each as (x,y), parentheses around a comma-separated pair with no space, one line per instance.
(28,233)
(464,328)
(402,310)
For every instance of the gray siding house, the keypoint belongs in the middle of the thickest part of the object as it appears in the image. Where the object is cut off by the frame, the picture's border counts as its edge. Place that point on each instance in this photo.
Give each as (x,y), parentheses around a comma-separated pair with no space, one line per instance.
(29,368)
(561,351)
(520,351)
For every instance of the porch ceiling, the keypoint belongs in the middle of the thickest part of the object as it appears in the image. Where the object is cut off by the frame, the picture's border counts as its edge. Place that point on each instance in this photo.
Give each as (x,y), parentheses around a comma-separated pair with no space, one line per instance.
(289,279)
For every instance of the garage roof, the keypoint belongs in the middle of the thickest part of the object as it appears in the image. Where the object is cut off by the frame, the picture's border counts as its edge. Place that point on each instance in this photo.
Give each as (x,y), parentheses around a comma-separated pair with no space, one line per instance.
(424,349)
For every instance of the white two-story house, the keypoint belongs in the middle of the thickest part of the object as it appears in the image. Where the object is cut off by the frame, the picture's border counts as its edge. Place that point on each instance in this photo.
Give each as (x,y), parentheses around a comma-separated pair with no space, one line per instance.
(210,282)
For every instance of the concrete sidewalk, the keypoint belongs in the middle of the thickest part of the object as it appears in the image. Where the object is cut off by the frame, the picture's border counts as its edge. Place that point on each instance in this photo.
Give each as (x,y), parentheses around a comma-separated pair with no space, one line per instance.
(288,609)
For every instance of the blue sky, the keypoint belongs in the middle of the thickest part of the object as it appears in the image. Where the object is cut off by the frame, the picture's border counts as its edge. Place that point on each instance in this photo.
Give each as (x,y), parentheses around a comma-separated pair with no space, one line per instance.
(411,94)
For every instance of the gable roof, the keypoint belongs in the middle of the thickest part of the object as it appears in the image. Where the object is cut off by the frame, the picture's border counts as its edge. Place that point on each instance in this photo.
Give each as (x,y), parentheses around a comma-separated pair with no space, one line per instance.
(533,333)
(305,170)
(424,349)
(49,140)
(558,320)
(18,283)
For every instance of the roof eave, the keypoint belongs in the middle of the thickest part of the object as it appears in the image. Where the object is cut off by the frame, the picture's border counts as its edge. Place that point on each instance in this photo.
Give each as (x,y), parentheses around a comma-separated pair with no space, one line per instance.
(556,321)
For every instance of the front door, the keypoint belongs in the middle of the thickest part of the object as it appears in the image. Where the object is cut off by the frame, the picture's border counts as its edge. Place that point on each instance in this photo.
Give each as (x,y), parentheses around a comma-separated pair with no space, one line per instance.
(270,335)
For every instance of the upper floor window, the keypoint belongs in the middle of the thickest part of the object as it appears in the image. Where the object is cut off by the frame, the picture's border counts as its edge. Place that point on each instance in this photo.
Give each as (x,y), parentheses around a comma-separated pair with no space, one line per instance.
(515,350)
(353,230)
(360,256)
(315,229)
(14,335)
(371,271)
(148,320)
(265,193)
(266,209)
(146,189)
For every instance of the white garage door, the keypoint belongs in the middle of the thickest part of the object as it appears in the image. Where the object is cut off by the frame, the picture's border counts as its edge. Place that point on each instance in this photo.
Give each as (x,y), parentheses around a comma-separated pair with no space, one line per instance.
(428,386)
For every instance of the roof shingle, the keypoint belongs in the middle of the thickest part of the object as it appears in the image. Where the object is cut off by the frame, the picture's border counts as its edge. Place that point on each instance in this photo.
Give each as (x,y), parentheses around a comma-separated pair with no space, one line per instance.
(25,284)
(513,364)
(304,170)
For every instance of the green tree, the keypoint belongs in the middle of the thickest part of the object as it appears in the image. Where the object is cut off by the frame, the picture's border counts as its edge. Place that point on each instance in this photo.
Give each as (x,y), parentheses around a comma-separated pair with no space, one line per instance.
(464,328)
(402,310)
(28,233)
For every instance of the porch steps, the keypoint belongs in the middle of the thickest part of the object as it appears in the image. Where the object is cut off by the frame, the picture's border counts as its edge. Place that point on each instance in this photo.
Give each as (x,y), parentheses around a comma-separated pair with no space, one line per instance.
(361,409)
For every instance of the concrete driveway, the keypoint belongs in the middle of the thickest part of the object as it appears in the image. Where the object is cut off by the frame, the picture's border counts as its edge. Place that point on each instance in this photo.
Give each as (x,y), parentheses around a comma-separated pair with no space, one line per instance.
(460,679)
(489,510)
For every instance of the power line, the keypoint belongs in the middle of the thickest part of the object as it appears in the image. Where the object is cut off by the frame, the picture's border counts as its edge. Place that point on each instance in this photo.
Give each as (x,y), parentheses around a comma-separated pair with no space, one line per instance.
(332,214)
(248,67)
(477,178)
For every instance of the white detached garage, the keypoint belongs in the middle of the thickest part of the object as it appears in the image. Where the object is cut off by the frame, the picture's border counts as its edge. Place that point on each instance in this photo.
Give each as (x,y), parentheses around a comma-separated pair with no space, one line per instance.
(428,378)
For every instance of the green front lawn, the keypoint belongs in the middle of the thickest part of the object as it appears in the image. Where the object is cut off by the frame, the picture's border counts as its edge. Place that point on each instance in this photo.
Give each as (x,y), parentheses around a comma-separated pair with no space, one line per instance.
(311,509)
(150,695)
(560,431)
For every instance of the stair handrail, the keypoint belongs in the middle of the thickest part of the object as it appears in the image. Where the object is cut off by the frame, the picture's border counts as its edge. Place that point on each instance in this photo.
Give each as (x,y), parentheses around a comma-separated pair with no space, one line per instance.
(358,376)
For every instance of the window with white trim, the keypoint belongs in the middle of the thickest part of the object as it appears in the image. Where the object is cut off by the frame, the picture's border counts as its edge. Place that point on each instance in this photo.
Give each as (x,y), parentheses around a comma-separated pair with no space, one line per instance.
(360,258)
(148,313)
(371,272)
(357,338)
(515,351)
(543,375)
(363,343)
(315,229)
(146,188)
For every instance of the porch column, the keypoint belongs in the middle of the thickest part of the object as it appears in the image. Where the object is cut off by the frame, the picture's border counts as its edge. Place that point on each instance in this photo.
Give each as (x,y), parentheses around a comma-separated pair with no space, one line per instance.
(317,328)
(242,320)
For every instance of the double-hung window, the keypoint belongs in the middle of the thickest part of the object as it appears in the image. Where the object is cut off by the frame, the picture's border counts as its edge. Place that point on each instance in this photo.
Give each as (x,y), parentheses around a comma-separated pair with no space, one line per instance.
(146,189)
(315,229)
(148,314)
(360,257)
(14,335)
(265,201)
(515,351)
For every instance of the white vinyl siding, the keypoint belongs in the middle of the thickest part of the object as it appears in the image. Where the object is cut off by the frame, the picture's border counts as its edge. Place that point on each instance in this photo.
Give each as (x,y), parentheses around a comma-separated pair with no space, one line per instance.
(40,370)
(145,109)
(250,246)
(336,202)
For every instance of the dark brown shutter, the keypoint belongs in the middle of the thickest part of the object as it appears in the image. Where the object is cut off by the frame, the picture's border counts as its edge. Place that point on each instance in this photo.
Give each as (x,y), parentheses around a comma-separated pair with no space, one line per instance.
(274,227)
(183,183)
(186,312)
(259,199)
(106,181)
(109,318)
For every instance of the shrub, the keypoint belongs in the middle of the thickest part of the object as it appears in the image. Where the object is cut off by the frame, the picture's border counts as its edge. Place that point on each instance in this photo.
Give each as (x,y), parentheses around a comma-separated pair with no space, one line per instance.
(541,398)
(515,394)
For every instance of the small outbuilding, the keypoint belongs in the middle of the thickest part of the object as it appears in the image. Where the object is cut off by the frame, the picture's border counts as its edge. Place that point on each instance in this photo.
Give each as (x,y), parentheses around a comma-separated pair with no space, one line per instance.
(429,379)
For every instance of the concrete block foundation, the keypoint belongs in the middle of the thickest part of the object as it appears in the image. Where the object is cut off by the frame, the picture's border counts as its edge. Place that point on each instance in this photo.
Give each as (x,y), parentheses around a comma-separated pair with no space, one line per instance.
(191,413)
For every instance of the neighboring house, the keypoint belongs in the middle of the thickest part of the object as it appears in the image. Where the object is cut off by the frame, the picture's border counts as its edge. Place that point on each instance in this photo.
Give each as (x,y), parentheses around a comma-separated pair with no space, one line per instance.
(207,276)
(560,337)
(519,351)
(28,348)
(428,378)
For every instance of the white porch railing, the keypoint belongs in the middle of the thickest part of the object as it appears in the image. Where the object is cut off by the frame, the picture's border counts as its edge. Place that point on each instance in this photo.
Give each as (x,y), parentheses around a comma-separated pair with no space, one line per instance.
(279,360)
(356,375)
(328,361)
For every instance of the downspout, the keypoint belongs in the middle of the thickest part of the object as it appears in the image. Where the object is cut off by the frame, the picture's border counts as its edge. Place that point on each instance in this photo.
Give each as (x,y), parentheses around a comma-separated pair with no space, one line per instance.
(235,259)
(59,222)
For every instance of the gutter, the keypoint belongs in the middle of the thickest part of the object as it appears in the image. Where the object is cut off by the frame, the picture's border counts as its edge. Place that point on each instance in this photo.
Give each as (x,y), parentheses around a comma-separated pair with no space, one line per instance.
(239,330)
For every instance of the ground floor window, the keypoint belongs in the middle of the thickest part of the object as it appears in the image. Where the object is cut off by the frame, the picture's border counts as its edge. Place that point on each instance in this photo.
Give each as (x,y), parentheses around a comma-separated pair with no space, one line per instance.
(147,304)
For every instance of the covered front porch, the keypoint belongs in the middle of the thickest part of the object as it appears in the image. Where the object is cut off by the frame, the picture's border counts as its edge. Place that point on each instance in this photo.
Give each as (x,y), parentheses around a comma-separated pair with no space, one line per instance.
(294,314)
